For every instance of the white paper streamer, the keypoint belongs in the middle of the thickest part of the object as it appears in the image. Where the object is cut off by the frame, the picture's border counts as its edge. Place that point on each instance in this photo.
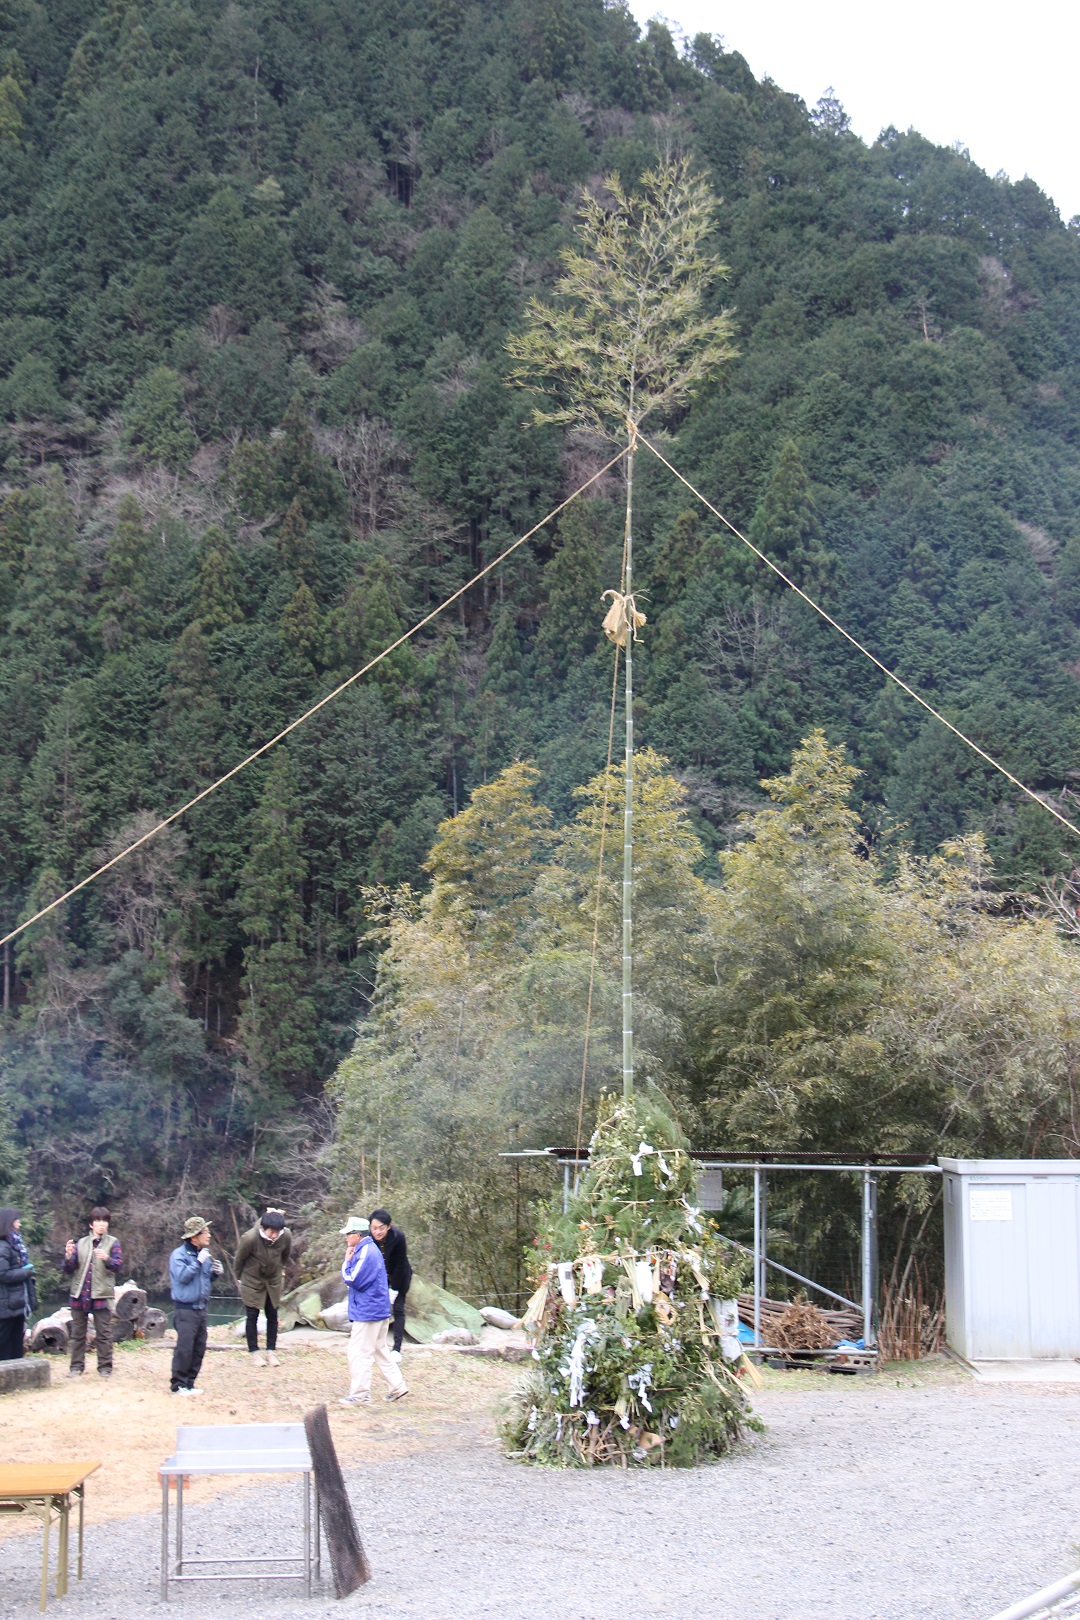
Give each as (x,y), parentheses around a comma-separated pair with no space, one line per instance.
(640,1382)
(636,1158)
(643,1273)
(576,1366)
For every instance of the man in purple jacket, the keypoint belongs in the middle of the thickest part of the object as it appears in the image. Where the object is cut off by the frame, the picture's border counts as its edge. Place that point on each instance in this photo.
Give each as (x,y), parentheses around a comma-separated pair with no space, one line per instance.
(369,1312)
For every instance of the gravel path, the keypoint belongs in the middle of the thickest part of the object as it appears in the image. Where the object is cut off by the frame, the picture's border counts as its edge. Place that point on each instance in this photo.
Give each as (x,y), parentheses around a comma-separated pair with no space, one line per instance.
(862,1502)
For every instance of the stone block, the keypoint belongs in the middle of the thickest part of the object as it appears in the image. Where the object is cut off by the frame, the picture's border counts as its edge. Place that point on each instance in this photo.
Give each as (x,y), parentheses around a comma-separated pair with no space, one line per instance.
(28,1372)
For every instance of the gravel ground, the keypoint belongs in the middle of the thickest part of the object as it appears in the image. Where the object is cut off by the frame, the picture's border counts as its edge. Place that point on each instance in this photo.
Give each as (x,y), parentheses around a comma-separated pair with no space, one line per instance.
(936,1502)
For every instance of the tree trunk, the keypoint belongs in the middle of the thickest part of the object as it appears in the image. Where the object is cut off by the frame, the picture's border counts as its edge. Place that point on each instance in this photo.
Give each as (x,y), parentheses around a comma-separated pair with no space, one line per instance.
(52,1333)
(152,1323)
(130,1301)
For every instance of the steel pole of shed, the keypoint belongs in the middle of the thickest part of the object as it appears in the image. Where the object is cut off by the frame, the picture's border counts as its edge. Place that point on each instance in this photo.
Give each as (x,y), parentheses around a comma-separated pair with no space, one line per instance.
(869,1255)
(759,1248)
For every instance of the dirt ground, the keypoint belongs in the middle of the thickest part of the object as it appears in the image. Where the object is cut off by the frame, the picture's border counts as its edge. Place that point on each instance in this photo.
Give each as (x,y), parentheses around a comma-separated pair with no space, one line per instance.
(129,1421)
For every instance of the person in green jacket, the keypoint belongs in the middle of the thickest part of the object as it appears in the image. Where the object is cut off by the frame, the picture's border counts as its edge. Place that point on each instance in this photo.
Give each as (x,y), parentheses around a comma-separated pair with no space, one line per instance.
(259,1265)
(92,1264)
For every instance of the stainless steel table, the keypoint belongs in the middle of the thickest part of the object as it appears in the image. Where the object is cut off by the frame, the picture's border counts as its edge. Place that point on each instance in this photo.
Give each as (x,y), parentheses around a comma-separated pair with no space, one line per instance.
(239,1448)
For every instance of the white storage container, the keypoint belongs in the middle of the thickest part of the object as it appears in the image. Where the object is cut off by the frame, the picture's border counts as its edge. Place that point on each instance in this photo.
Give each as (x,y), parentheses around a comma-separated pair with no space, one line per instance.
(1012,1258)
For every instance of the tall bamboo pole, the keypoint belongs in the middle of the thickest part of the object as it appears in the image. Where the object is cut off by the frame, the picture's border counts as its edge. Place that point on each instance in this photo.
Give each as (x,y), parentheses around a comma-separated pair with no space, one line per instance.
(628,808)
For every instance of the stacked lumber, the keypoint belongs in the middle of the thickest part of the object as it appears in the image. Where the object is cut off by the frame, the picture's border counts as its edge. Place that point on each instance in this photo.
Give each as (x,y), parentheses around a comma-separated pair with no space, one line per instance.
(838,1324)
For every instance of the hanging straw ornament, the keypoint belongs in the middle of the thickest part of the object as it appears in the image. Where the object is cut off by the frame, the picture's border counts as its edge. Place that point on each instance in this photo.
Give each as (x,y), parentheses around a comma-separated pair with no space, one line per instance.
(622,619)
(534,1311)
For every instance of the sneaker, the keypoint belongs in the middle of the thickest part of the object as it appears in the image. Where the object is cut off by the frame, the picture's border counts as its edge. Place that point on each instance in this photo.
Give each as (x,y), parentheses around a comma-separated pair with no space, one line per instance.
(354,1400)
(396,1354)
(396,1395)
(104,1372)
(271,1359)
(75,1372)
(183,1390)
(258,1359)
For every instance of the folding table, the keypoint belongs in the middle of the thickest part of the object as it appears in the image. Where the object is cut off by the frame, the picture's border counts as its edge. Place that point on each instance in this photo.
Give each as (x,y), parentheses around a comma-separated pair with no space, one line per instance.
(238,1448)
(46,1489)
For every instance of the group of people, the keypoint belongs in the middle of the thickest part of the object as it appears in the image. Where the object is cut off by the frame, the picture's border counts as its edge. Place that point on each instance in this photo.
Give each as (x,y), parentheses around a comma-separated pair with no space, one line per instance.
(376,1272)
(91,1263)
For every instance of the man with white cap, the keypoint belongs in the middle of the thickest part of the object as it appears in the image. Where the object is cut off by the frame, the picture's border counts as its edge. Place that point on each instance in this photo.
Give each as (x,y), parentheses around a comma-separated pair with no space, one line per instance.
(364,1272)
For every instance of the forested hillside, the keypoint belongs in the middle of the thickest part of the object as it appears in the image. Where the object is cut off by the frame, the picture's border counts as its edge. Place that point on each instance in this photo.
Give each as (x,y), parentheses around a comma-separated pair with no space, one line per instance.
(258,268)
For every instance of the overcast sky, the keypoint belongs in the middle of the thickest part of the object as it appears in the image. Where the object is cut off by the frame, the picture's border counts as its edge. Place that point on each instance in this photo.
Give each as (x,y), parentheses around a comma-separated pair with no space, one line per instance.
(1002,81)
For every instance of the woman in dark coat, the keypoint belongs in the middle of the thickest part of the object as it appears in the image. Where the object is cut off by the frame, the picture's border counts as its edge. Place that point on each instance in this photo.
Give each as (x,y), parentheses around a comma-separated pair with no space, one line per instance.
(259,1266)
(18,1293)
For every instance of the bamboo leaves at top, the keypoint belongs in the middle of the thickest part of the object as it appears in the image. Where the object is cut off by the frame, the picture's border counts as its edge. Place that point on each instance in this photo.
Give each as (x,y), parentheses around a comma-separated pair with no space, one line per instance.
(631,335)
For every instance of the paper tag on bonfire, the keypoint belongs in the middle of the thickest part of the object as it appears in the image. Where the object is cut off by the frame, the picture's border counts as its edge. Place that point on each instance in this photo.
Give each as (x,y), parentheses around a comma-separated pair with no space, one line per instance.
(592,1274)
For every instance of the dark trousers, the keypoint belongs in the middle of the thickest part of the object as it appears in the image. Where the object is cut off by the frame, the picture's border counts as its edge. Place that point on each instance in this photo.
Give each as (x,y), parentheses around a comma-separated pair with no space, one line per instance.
(190,1325)
(397,1324)
(11,1337)
(251,1326)
(103,1329)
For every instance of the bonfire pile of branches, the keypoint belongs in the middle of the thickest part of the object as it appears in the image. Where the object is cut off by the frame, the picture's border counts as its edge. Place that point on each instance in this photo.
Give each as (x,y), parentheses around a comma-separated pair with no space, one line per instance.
(637,1358)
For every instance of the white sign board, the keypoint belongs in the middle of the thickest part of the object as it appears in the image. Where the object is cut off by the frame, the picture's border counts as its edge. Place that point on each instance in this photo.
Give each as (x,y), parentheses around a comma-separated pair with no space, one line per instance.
(991,1204)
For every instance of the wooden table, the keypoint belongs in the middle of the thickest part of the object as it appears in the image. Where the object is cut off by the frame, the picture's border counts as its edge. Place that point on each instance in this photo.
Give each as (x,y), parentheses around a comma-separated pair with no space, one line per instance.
(45,1489)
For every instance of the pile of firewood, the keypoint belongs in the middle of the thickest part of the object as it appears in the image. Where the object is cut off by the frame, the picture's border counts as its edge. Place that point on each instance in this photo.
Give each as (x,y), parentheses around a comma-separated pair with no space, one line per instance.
(801,1327)
(132,1318)
(798,1325)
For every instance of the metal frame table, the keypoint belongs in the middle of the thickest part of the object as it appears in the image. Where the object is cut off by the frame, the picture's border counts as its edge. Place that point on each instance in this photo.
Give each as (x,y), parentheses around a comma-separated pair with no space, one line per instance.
(239,1448)
(46,1489)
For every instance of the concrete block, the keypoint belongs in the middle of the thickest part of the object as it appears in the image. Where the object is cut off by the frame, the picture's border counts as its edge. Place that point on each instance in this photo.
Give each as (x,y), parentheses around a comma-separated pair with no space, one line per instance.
(29,1372)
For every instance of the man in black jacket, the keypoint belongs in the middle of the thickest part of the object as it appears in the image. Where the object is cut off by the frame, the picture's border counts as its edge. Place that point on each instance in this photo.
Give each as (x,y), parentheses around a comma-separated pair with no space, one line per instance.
(395,1253)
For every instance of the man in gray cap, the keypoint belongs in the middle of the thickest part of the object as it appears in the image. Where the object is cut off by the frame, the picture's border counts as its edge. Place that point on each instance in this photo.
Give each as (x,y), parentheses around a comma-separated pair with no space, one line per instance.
(191,1271)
